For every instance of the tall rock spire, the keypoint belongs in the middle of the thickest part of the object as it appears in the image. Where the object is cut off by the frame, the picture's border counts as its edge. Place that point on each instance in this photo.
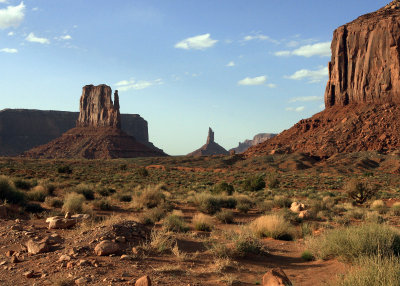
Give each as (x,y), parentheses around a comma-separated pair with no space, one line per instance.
(210,137)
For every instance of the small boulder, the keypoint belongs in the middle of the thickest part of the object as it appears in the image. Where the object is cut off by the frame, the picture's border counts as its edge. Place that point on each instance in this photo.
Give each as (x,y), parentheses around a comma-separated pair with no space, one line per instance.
(143,281)
(60,223)
(82,280)
(106,247)
(29,274)
(36,247)
(304,214)
(297,207)
(276,277)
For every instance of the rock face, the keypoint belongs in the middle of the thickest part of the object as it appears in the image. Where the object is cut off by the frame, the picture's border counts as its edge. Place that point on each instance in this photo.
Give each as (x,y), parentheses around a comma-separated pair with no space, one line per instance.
(97,109)
(210,148)
(259,138)
(362,97)
(23,129)
(97,135)
(365,64)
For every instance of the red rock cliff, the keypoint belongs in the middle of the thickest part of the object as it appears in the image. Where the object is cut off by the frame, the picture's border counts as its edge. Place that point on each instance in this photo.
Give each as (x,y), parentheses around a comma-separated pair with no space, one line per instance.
(365,64)
(97,109)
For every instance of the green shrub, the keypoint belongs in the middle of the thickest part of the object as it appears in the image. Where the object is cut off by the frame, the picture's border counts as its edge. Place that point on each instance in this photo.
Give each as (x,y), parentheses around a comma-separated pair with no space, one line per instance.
(150,197)
(307,256)
(103,204)
(125,198)
(352,242)
(265,206)
(38,194)
(224,187)
(282,201)
(228,202)
(359,191)
(208,204)
(9,193)
(373,271)
(254,183)
(274,226)
(273,181)
(244,203)
(142,172)
(105,192)
(65,169)
(246,243)
(86,191)
(151,216)
(225,216)
(175,223)
(34,208)
(73,203)
(53,202)
(22,184)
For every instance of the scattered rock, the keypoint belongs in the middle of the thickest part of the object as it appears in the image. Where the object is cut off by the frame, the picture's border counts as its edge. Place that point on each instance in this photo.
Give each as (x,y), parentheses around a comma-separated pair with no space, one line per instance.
(126,257)
(60,223)
(36,247)
(297,207)
(67,215)
(64,257)
(29,274)
(276,277)
(121,239)
(106,247)
(10,253)
(304,214)
(82,280)
(15,259)
(143,281)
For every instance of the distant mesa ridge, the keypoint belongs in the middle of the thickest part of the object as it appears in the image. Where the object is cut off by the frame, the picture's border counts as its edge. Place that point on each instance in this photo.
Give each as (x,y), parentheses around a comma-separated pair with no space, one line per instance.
(97,134)
(210,148)
(362,95)
(257,139)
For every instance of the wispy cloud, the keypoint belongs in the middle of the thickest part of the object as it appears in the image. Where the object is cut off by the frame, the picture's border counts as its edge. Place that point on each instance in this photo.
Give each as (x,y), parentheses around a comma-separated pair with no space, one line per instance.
(64,38)
(295,109)
(306,98)
(32,38)
(200,42)
(10,34)
(259,37)
(311,75)
(259,80)
(319,49)
(12,16)
(125,85)
(9,51)
(230,64)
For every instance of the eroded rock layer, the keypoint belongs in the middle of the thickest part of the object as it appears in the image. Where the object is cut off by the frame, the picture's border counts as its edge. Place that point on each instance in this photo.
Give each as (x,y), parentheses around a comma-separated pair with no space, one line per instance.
(365,63)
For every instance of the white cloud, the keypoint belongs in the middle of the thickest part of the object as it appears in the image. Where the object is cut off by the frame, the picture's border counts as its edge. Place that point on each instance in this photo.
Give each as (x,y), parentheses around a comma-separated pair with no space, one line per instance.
(125,85)
(65,37)
(3,1)
(306,98)
(32,38)
(200,42)
(271,85)
(283,53)
(319,49)
(260,38)
(296,109)
(12,16)
(312,76)
(231,64)
(35,9)
(10,34)
(259,80)
(9,51)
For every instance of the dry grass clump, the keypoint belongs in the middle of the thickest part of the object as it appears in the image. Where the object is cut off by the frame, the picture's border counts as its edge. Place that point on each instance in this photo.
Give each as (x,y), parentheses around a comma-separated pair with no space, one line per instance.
(161,241)
(148,197)
(102,204)
(244,203)
(175,223)
(359,191)
(53,202)
(373,271)
(225,216)
(202,222)
(274,226)
(379,206)
(151,216)
(73,203)
(282,201)
(353,242)
(9,194)
(85,190)
(396,209)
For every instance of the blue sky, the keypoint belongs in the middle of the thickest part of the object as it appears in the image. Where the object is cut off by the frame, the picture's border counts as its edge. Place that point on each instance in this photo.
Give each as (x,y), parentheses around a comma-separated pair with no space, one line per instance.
(241,67)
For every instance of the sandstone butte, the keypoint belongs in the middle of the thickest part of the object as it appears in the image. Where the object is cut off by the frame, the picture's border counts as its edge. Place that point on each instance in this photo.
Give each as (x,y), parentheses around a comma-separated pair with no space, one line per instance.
(97,134)
(210,148)
(362,96)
